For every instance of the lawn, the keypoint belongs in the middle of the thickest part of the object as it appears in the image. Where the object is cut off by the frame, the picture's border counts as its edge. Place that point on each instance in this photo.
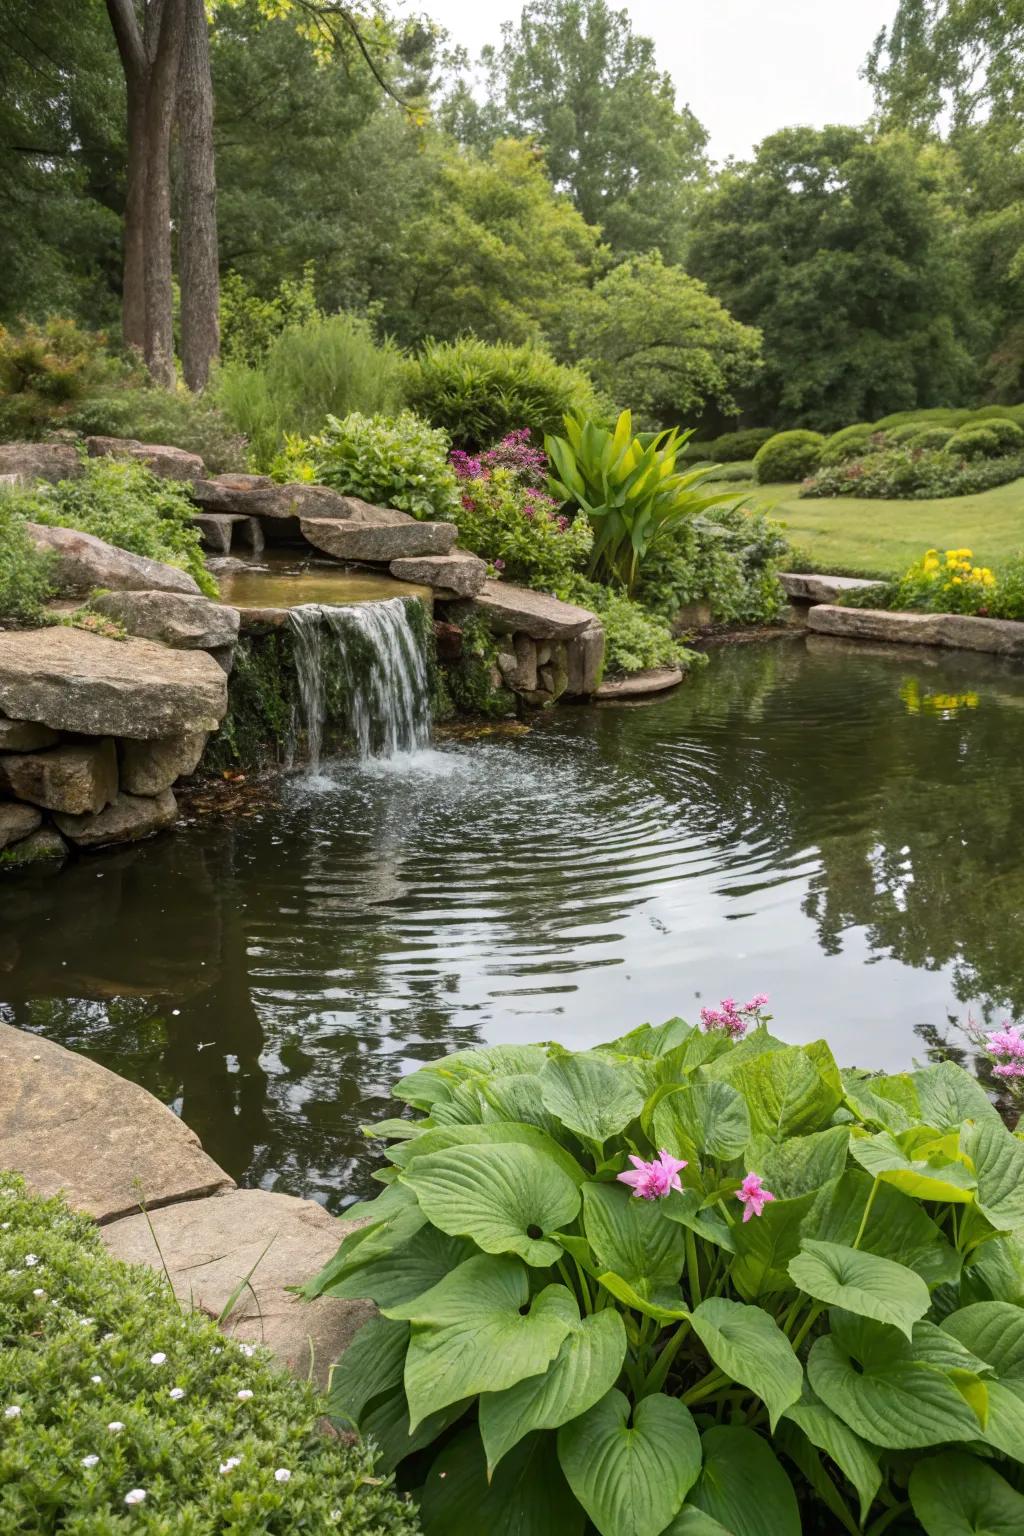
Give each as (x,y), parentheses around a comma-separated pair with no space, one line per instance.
(882,538)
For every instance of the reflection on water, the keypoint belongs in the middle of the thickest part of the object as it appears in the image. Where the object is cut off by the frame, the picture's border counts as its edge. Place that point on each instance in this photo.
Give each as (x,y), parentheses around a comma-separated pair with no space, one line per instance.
(799,820)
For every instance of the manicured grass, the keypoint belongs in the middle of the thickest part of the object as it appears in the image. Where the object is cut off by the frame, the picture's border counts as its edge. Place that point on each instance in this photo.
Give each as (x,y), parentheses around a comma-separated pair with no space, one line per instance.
(882,538)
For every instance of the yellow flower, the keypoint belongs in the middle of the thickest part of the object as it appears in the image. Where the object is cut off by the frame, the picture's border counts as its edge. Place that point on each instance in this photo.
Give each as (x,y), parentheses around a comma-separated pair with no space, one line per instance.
(958,581)
(931,564)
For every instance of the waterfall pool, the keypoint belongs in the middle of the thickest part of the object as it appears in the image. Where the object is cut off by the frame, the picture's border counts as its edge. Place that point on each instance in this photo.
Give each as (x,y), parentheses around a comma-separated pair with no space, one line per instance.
(837,826)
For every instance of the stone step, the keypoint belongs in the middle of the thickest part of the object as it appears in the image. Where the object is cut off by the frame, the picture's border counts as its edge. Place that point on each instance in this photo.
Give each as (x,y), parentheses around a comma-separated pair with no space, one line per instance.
(809,587)
(259,496)
(219,532)
(955,631)
(639,685)
(457,574)
(378,542)
(510,610)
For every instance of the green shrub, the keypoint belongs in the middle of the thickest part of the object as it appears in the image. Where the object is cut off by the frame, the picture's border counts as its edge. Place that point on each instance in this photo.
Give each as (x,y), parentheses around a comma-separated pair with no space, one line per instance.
(329,366)
(914,473)
(731,447)
(395,461)
(90,1343)
(46,369)
(635,639)
(521,532)
(152,415)
(989,440)
(999,412)
(24,571)
(852,443)
(788,456)
(249,323)
(480,390)
(782,1372)
(732,474)
(927,437)
(121,502)
(941,415)
(729,557)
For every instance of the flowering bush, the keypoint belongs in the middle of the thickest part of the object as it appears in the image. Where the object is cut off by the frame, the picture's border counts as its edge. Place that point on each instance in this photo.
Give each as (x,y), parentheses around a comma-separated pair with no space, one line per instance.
(912,472)
(392,461)
(118,1412)
(694,1280)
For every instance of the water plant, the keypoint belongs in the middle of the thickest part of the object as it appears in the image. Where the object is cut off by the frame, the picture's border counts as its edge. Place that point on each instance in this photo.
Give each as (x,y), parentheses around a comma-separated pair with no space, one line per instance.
(695,1280)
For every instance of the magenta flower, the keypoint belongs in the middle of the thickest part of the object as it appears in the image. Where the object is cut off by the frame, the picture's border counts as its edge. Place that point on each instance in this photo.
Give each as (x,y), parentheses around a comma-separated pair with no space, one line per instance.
(753,1195)
(731,1017)
(654,1180)
(1009,1069)
(1007,1041)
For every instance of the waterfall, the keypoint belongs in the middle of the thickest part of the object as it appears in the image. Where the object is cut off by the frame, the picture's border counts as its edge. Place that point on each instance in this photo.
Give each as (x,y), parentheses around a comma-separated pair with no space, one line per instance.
(361,665)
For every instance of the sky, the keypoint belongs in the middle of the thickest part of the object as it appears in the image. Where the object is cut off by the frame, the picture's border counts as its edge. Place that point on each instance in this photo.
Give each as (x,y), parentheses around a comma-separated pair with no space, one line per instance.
(746,67)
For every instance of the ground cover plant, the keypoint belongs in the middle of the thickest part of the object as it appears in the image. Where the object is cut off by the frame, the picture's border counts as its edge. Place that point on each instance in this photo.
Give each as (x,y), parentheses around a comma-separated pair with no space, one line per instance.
(693,1280)
(393,461)
(120,1412)
(24,571)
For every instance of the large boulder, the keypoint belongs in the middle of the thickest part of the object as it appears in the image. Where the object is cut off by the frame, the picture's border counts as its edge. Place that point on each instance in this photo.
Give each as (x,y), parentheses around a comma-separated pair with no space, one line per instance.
(383,542)
(176,619)
(259,496)
(39,461)
(512,610)
(150,767)
(457,574)
(17,822)
(169,463)
(82,562)
(76,778)
(75,681)
(128,820)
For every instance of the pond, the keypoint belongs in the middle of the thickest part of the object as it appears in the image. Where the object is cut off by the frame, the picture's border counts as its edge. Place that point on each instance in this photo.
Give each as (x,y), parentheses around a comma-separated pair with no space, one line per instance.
(837,826)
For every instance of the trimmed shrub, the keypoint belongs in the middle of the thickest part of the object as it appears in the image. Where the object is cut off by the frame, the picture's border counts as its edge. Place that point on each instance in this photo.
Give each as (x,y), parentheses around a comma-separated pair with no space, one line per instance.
(479,390)
(119,1412)
(395,461)
(731,447)
(152,415)
(788,456)
(928,437)
(988,440)
(999,413)
(330,366)
(914,474)
(46,369)
(852,443)
(732,474)
(946,416)
(24,570)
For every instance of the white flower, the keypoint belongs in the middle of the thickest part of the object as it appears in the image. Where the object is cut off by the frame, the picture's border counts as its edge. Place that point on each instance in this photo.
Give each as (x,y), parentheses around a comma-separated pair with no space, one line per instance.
(13,1412)
(136,1496)
(38,1291)
(247,1351)
(216,1350)
(86,1321)
(115,1426)
(4,1226)
(176,1394)
(95,1380)
(282,1475)
(89,1461)
(244,1395)
(158,1358)
(229,1465)
(106,1338)
(31,1259)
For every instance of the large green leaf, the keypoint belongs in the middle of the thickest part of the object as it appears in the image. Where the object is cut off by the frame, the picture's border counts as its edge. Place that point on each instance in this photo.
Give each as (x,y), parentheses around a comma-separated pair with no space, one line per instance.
(998,1161)
(505,1197)
(947,1096)
(887,1103)
(994,1331)
(385,1223)
(897,1228)
(632,1236)
(861,1283)
(923,1178)
(631,1478)
(585,1368)
(786,1092)
(404,1272)
(692,1521)
(472,1332)
(687,1207)
(765,1245)
(857,1460)
(386,1423)
(749,1346)
(743,1486)
(958,1495)
(588,1093)
(711,1117)
(513,1098)
(995,1272)
(372,1363)
(493,1133)
(663,1303)
(799,1164)
(528,1496)
(888,1398)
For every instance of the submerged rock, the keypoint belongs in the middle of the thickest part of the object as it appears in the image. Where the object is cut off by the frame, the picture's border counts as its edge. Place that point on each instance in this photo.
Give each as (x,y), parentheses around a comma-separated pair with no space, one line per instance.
(150,767)
(130,818)
(74,778)
(82,562)
(184,622)
(45,846)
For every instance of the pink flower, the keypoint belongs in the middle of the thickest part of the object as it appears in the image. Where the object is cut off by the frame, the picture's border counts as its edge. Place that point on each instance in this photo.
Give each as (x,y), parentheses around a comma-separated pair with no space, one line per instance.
(731,1017)
(654,1180)
(756,1003)
(1006,1041)
(753,1195)
(1009,1069)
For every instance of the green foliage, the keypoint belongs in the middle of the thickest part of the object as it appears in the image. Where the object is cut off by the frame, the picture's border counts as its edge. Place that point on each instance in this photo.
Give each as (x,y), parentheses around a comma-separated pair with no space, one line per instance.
(629,487)
(81,1333)
(951,582)
(916,473)
(520,532)
(989,439)
(329,366)
(656,338)
(731,447)
(395,461)
(24,571)
(635,637)
(152,415)
(468,682)
(788,456)
(925,436)
(121,502)
(940,415)
(728,557)
(732,474)
(563,1350)
(479,390)
(250,323)
(46,369)
(853,443)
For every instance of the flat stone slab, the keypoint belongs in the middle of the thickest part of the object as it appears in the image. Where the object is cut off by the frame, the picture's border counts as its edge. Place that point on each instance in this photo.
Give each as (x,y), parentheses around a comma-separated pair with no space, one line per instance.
(159,458)
(954,631)
(219,530)
(809,587)
(39,461)
(183,622)
(517,610)
(72,680)
(66,1123)
(259,496)
(82,562)
(349,539)
(210,1245)
(640,684)
(459,574)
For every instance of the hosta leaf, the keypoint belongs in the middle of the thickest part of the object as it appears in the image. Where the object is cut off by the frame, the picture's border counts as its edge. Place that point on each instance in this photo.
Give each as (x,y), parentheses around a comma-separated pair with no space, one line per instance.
(786,1092)
(995,1272)
(685,1207)
(799,1164)
(386,1423)
(998,1160)
(752,1047)
(897,1228)
(749,1346)
(663,1303)
(498,1132)
(590,1095)
(865,1097)
(423,1088)
(528,1495)
(857,1460)
(765,1245)
(514,1098)
(861,1282)
(394,1130)
(742,1485)
(632,1236)
(712,1117)
(585,1368)
(388,1223)
(947,1096)
(631,1478)
(373,1363)
(994,1331)
(884,1158)
(958,1495)
(470,1335)
(651,1040)
(890,1400)
(463,1106)
(692,1521)
(404,1272)
(506,1197)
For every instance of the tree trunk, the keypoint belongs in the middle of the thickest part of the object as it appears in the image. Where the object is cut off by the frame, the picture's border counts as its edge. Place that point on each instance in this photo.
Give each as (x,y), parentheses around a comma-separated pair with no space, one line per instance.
(197,233)
(133,295)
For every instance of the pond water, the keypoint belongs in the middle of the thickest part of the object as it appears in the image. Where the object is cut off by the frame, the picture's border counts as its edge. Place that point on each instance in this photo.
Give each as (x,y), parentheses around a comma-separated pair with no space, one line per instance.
(837,826)
(282,579)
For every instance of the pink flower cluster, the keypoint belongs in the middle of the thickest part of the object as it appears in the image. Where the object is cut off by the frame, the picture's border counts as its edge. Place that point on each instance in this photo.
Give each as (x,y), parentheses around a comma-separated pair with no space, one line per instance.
(514,452)
(735,1020)
(1007,1041)
(753,1195)
(654,1180)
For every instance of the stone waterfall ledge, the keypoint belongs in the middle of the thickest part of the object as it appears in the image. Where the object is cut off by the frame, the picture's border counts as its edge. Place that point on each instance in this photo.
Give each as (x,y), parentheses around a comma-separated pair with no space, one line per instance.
(67,1124)
(954,631)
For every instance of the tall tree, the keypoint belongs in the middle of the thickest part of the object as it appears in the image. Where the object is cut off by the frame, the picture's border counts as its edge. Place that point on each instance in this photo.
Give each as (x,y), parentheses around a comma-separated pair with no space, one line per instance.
(949,63)
(573,75)
(197,220)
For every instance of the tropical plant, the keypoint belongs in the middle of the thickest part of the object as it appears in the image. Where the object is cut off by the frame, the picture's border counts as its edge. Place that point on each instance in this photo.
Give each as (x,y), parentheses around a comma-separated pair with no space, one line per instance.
(394,461)
(695,1280)
(633,494)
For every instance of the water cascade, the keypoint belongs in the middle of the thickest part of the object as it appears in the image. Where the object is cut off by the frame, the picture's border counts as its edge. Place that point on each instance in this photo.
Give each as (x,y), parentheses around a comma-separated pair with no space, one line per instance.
(362,666)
